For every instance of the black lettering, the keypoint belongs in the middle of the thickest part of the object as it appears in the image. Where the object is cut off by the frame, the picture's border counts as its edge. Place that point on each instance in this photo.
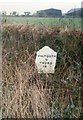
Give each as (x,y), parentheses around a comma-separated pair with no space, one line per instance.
(44,55)
(46,59)
(54,56)
(45,66)
(40,55)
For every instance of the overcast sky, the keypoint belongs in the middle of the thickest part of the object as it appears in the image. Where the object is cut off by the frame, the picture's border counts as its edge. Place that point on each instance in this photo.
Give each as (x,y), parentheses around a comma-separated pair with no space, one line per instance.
(35,5)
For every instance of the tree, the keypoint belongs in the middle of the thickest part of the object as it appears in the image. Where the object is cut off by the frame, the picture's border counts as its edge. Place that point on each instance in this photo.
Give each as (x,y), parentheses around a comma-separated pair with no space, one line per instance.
(27,13)
(4,13)
(14,13)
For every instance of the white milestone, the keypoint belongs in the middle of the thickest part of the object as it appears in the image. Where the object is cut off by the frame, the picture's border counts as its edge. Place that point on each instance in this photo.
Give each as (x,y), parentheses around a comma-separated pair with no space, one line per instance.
(46,60)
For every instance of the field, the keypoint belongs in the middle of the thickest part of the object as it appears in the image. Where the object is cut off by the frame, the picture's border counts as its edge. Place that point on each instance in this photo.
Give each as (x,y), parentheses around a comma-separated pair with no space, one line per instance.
(27,94)
(44,21)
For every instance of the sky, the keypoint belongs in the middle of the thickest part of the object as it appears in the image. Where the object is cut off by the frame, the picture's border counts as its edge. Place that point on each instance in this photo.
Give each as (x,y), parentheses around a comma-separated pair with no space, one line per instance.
(34,5)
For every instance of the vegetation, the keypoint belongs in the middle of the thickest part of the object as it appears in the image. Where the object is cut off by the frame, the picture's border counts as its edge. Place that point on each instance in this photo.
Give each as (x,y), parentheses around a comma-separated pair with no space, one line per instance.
(43,20)
(27,94)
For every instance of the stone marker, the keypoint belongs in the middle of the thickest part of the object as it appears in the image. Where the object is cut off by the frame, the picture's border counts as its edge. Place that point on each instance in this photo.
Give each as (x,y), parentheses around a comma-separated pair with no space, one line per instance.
(46,60)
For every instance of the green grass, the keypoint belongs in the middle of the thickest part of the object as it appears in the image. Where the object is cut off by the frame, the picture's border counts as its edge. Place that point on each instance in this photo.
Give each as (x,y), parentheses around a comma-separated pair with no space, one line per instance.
(45,21)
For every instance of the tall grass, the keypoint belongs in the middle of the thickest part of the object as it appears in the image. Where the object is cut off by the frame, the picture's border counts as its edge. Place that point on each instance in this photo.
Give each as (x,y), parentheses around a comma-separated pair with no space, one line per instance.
(27,94)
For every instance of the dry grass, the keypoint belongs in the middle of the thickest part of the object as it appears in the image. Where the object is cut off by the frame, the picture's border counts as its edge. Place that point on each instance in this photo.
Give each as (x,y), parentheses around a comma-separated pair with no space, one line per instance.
(25,93)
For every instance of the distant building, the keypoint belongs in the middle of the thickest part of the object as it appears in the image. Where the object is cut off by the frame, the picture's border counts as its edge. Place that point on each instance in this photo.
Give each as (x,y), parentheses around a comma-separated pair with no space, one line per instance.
(77,12)
(49,13)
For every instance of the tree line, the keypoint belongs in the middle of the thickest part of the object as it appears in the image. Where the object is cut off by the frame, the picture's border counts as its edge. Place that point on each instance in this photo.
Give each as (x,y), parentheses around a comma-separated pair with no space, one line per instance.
(15,13)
